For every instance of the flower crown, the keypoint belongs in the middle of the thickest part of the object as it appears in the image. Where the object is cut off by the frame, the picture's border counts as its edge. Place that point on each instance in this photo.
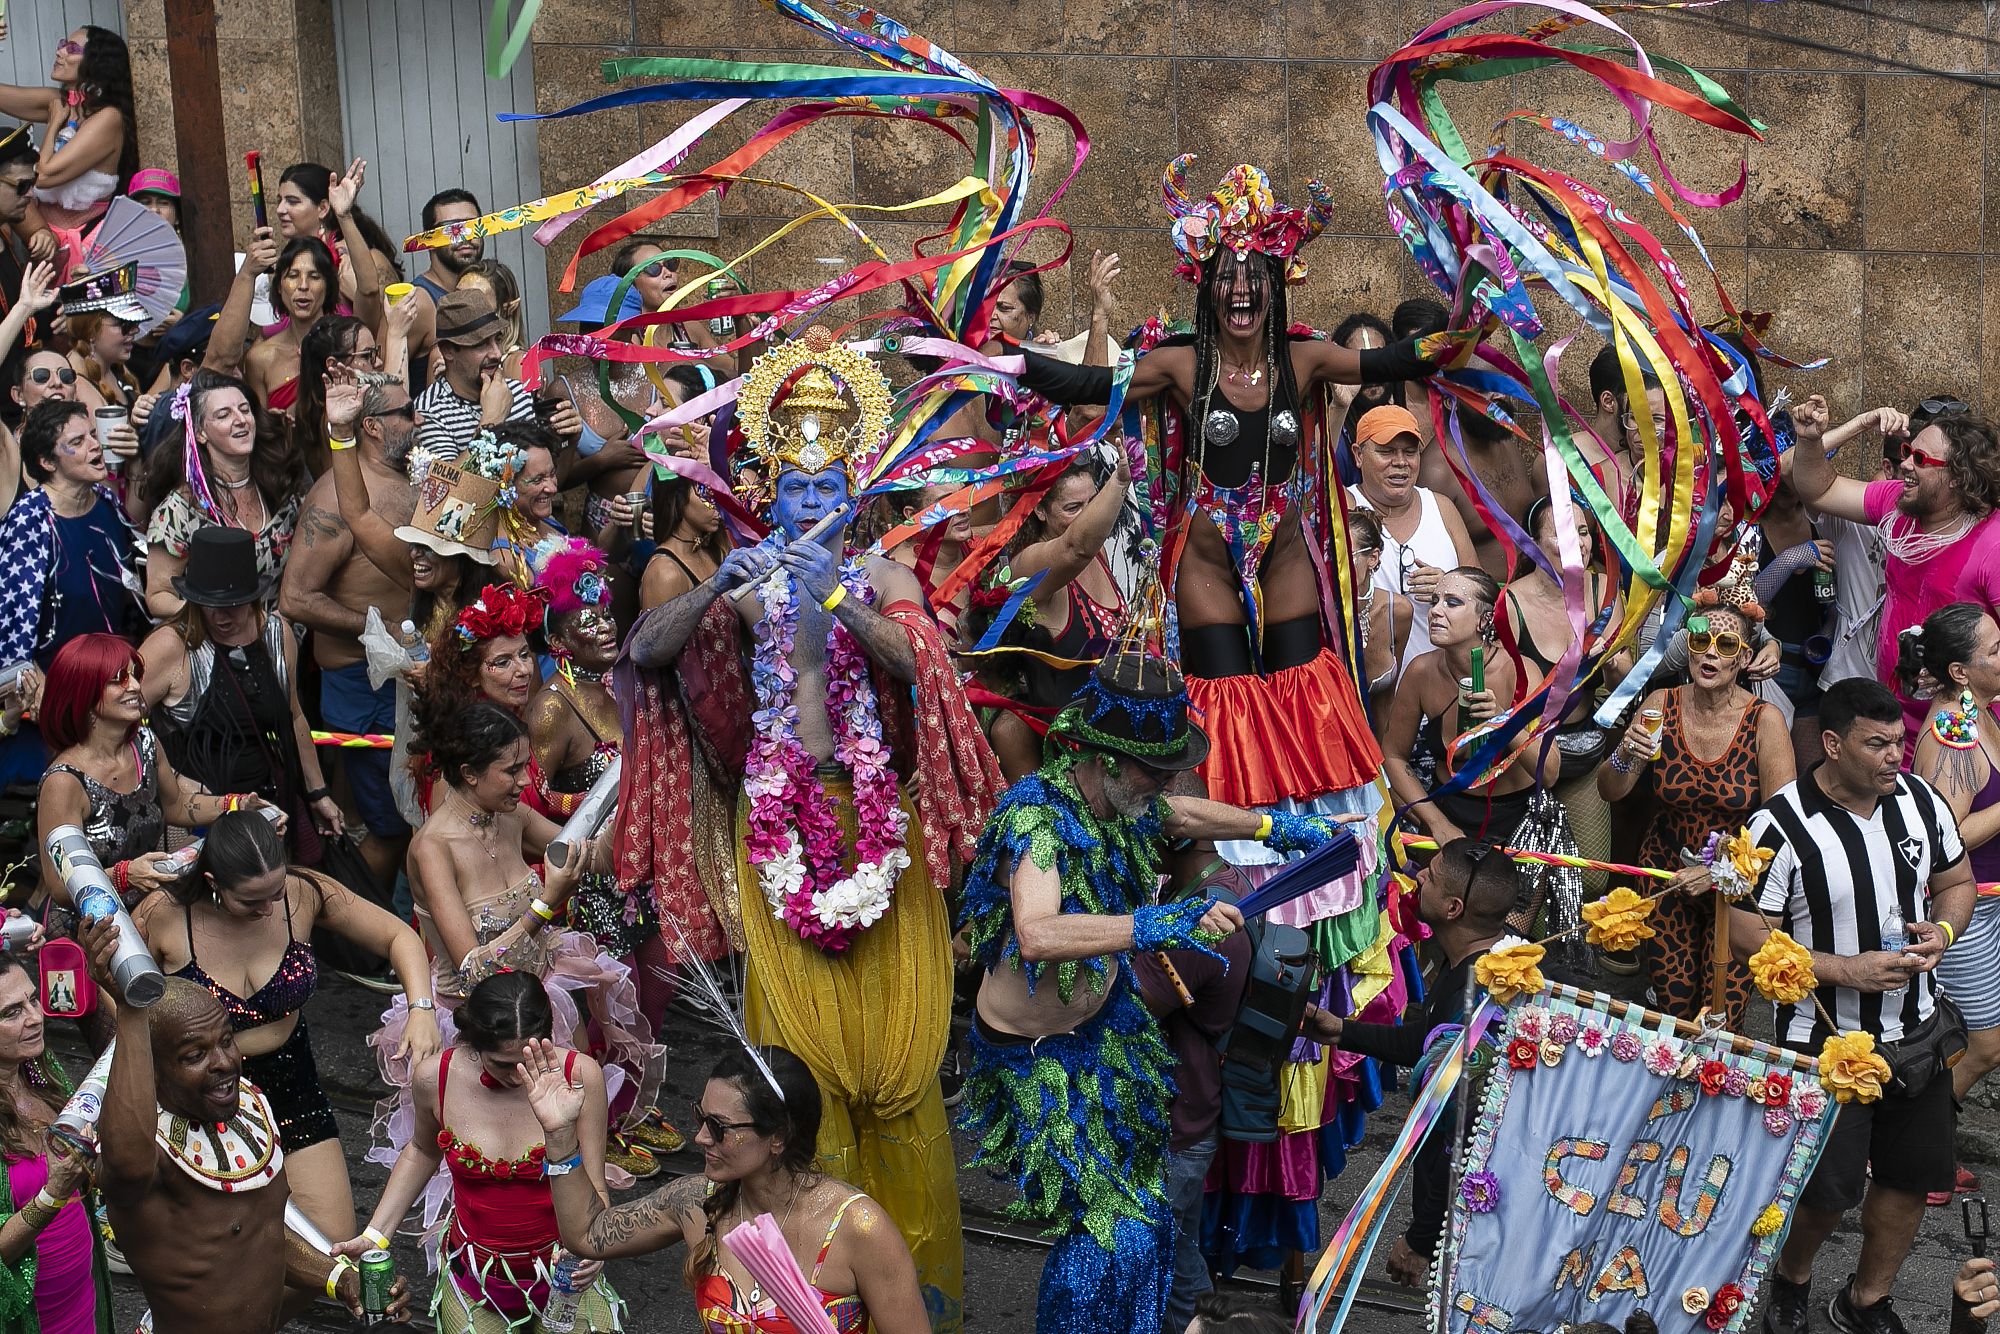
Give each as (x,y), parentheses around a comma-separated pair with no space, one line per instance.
(811,405)
(1243,214)
(501,610)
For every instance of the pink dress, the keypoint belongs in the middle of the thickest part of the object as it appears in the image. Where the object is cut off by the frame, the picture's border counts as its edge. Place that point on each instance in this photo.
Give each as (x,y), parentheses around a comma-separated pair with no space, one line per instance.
(65,1290)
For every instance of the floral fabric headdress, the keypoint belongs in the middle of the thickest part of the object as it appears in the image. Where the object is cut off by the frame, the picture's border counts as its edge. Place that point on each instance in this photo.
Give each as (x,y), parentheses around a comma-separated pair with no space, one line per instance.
(502,610)
(1242,214)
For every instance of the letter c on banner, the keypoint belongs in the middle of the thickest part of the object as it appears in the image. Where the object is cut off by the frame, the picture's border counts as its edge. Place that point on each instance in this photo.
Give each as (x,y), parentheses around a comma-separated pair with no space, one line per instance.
(1577,1198)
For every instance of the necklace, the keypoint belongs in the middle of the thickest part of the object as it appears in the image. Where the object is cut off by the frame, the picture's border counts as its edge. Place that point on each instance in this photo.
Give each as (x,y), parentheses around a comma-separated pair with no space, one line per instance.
(228,485)
(756,1288)
(1916,546)
(585,674)
(480,822)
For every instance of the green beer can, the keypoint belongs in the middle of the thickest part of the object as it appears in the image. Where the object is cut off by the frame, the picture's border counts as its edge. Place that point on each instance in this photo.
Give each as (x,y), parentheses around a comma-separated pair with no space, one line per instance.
(378,1276)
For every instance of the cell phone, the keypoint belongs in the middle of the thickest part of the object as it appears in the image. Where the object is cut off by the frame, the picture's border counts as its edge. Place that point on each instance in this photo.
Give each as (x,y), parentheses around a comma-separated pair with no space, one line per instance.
(1973,1208)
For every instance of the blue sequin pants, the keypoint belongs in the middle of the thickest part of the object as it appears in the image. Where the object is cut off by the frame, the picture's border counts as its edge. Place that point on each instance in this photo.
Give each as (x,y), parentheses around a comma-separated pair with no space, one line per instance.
(1079,1123)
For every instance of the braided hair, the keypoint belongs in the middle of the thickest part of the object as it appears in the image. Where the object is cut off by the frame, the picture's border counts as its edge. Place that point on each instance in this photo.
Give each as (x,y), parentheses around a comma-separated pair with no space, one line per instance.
(1270,272)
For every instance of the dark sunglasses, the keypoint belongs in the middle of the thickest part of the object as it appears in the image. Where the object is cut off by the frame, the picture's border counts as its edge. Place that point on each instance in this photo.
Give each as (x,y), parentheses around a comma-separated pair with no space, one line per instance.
(717,1128)
(42,375)
(1942,407)
(408,412)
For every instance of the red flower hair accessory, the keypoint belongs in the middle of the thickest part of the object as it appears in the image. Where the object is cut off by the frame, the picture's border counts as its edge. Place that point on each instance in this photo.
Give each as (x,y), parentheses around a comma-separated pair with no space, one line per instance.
(502,610)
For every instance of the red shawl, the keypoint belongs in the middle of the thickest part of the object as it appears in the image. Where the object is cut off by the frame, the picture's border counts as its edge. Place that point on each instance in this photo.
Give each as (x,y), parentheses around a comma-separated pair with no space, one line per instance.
(696,711)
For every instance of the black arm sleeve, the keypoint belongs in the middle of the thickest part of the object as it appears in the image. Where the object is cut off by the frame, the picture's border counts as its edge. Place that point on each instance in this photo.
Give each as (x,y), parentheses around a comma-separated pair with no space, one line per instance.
(1060,382)
(1393,364)
(1396,1044)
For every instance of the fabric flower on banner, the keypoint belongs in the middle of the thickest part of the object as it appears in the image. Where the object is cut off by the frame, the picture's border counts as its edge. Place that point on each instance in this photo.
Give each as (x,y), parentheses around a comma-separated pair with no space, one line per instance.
(1768,1222)
(1563,1029)
(1480,1191)
(1594,1041)
(1663,1056)
(1777,1090)
(1782,969)
(1510,969)
(1522,1054)
(1618,921)
(1626,1046)
(1722,1308)
(1531,1021)
(1851,1068)
(1737,1082)
(1808,1101)
(1713,1075)
(1778,1121)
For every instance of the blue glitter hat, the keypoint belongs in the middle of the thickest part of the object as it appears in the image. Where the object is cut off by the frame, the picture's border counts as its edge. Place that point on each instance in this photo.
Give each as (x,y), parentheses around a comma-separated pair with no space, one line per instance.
(1135,704)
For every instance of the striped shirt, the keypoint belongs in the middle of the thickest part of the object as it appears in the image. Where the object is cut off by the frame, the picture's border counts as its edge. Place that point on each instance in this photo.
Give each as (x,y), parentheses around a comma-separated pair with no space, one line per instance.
(1833,880)
(450,422)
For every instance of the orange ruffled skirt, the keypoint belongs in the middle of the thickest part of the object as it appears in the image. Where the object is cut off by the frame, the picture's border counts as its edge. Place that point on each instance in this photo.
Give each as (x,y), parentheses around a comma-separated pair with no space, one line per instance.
(1297,733)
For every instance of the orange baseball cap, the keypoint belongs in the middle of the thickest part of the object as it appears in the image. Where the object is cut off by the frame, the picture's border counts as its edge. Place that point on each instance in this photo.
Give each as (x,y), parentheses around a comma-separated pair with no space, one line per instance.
(1380,425)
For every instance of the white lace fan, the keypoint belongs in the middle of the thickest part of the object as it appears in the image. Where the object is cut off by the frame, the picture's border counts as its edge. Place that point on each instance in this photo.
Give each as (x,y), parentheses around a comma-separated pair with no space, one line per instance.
(131,233)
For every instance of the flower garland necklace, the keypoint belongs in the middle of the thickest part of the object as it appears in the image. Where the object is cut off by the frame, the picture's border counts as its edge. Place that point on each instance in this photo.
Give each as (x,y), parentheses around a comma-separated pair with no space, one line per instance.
(794,832)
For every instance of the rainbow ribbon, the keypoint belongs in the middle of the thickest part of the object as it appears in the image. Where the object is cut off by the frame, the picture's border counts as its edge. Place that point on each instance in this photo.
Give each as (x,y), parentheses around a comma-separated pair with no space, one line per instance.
(1354,1241)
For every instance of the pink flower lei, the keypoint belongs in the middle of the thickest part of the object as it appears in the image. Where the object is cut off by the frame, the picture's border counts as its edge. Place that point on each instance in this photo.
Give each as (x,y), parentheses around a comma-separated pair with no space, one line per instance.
(794,837)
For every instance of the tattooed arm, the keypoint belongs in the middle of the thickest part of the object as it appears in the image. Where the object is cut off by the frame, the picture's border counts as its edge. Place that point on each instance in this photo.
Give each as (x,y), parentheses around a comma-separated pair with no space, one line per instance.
(662,633)
(598,1231)
(323,547)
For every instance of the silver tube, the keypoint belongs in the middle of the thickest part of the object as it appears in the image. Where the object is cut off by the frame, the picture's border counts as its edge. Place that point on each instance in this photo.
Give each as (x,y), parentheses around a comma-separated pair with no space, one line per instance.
(591,813)
(139,978)
(296,1221)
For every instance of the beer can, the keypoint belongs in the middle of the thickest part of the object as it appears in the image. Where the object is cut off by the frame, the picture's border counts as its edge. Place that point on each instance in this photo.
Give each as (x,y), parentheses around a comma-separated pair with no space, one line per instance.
(378,1276)
(16,932)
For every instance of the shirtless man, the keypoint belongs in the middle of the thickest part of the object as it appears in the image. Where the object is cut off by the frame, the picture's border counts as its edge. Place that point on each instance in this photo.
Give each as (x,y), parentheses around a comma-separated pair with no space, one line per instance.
(210,1248)
(328,586)
(1063,887)
(853,969)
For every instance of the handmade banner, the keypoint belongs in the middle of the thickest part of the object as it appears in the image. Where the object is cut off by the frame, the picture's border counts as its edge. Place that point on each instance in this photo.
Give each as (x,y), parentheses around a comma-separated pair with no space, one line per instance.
(1618,1164)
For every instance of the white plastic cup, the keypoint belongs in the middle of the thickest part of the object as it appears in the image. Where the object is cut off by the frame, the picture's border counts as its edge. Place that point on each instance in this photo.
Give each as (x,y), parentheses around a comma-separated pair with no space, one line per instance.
(109,419)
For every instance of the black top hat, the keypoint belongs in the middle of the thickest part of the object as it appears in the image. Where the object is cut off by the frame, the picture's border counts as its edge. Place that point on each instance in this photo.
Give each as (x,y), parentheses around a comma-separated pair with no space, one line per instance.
(222,569)
(1135,704)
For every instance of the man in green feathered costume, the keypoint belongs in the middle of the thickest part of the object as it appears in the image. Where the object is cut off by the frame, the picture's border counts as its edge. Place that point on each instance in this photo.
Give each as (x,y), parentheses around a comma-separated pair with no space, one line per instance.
(1070,1083)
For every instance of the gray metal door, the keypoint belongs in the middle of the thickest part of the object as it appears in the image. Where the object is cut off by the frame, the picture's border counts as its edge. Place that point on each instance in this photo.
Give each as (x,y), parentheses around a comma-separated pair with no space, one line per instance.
(35,26)
(416,102)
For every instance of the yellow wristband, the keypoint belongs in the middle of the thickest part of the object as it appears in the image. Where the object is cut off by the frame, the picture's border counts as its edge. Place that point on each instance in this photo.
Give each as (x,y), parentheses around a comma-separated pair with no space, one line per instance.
(375,1239)
(542,910)
(341,1264)
(334,442)
(1264,827)
(1950,935)
(835,598)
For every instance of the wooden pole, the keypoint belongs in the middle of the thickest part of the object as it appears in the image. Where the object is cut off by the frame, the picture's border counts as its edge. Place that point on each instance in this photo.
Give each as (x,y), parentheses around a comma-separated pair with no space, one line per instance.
(1718,986)
(195,77)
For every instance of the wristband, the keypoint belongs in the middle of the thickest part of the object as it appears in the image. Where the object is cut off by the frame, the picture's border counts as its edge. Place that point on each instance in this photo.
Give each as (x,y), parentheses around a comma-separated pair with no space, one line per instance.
(44,1200)
(565,1167)
(835,598)
(1263,828)
(341,1264)
(542,910)
(425,1004)
(1950,935)
(121,873)
(233,802)
(319,794)
(335,443)
(1619,762)
(374,1238)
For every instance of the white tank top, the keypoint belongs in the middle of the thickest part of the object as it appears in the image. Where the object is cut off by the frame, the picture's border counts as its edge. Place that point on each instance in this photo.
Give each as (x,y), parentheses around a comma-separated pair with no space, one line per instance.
(1430,545)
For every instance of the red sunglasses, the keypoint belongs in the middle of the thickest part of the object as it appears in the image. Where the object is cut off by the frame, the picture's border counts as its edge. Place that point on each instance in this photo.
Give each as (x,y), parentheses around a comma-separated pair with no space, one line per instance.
(1923,460)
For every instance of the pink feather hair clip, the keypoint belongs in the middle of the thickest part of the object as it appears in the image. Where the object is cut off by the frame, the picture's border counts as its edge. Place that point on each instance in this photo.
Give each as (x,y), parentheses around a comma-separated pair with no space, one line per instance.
(570,571)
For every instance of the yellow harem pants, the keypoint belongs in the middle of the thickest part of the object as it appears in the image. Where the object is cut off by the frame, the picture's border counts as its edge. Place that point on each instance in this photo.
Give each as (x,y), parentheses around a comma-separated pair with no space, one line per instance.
(872,1022)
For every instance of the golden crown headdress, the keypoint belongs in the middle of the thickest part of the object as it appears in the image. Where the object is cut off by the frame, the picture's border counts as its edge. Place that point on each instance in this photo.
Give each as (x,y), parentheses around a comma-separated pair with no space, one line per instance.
(811,405)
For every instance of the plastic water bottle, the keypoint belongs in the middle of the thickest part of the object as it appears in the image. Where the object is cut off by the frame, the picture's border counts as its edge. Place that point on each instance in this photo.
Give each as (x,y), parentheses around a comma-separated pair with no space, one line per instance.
(413,643)
(1895,934)
(559,1316)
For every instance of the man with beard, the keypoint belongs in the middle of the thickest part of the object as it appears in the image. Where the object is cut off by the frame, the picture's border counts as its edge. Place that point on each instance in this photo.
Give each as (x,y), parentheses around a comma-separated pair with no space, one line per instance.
(329,584)
(192,1172)
(1070,1081)
(1942,536)
(448,264)
(474,393)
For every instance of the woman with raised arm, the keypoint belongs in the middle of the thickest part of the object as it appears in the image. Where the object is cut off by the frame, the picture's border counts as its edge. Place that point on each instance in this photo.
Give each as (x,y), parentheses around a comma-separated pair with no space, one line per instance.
(472,1114)
(756,1123)
(90,140)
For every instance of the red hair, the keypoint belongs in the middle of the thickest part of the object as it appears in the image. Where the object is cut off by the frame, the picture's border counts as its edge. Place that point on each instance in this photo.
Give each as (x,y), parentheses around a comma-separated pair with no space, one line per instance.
(77,677)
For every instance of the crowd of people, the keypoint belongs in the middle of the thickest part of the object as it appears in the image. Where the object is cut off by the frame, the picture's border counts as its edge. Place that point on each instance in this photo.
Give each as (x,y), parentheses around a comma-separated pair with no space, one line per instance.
(929,822)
